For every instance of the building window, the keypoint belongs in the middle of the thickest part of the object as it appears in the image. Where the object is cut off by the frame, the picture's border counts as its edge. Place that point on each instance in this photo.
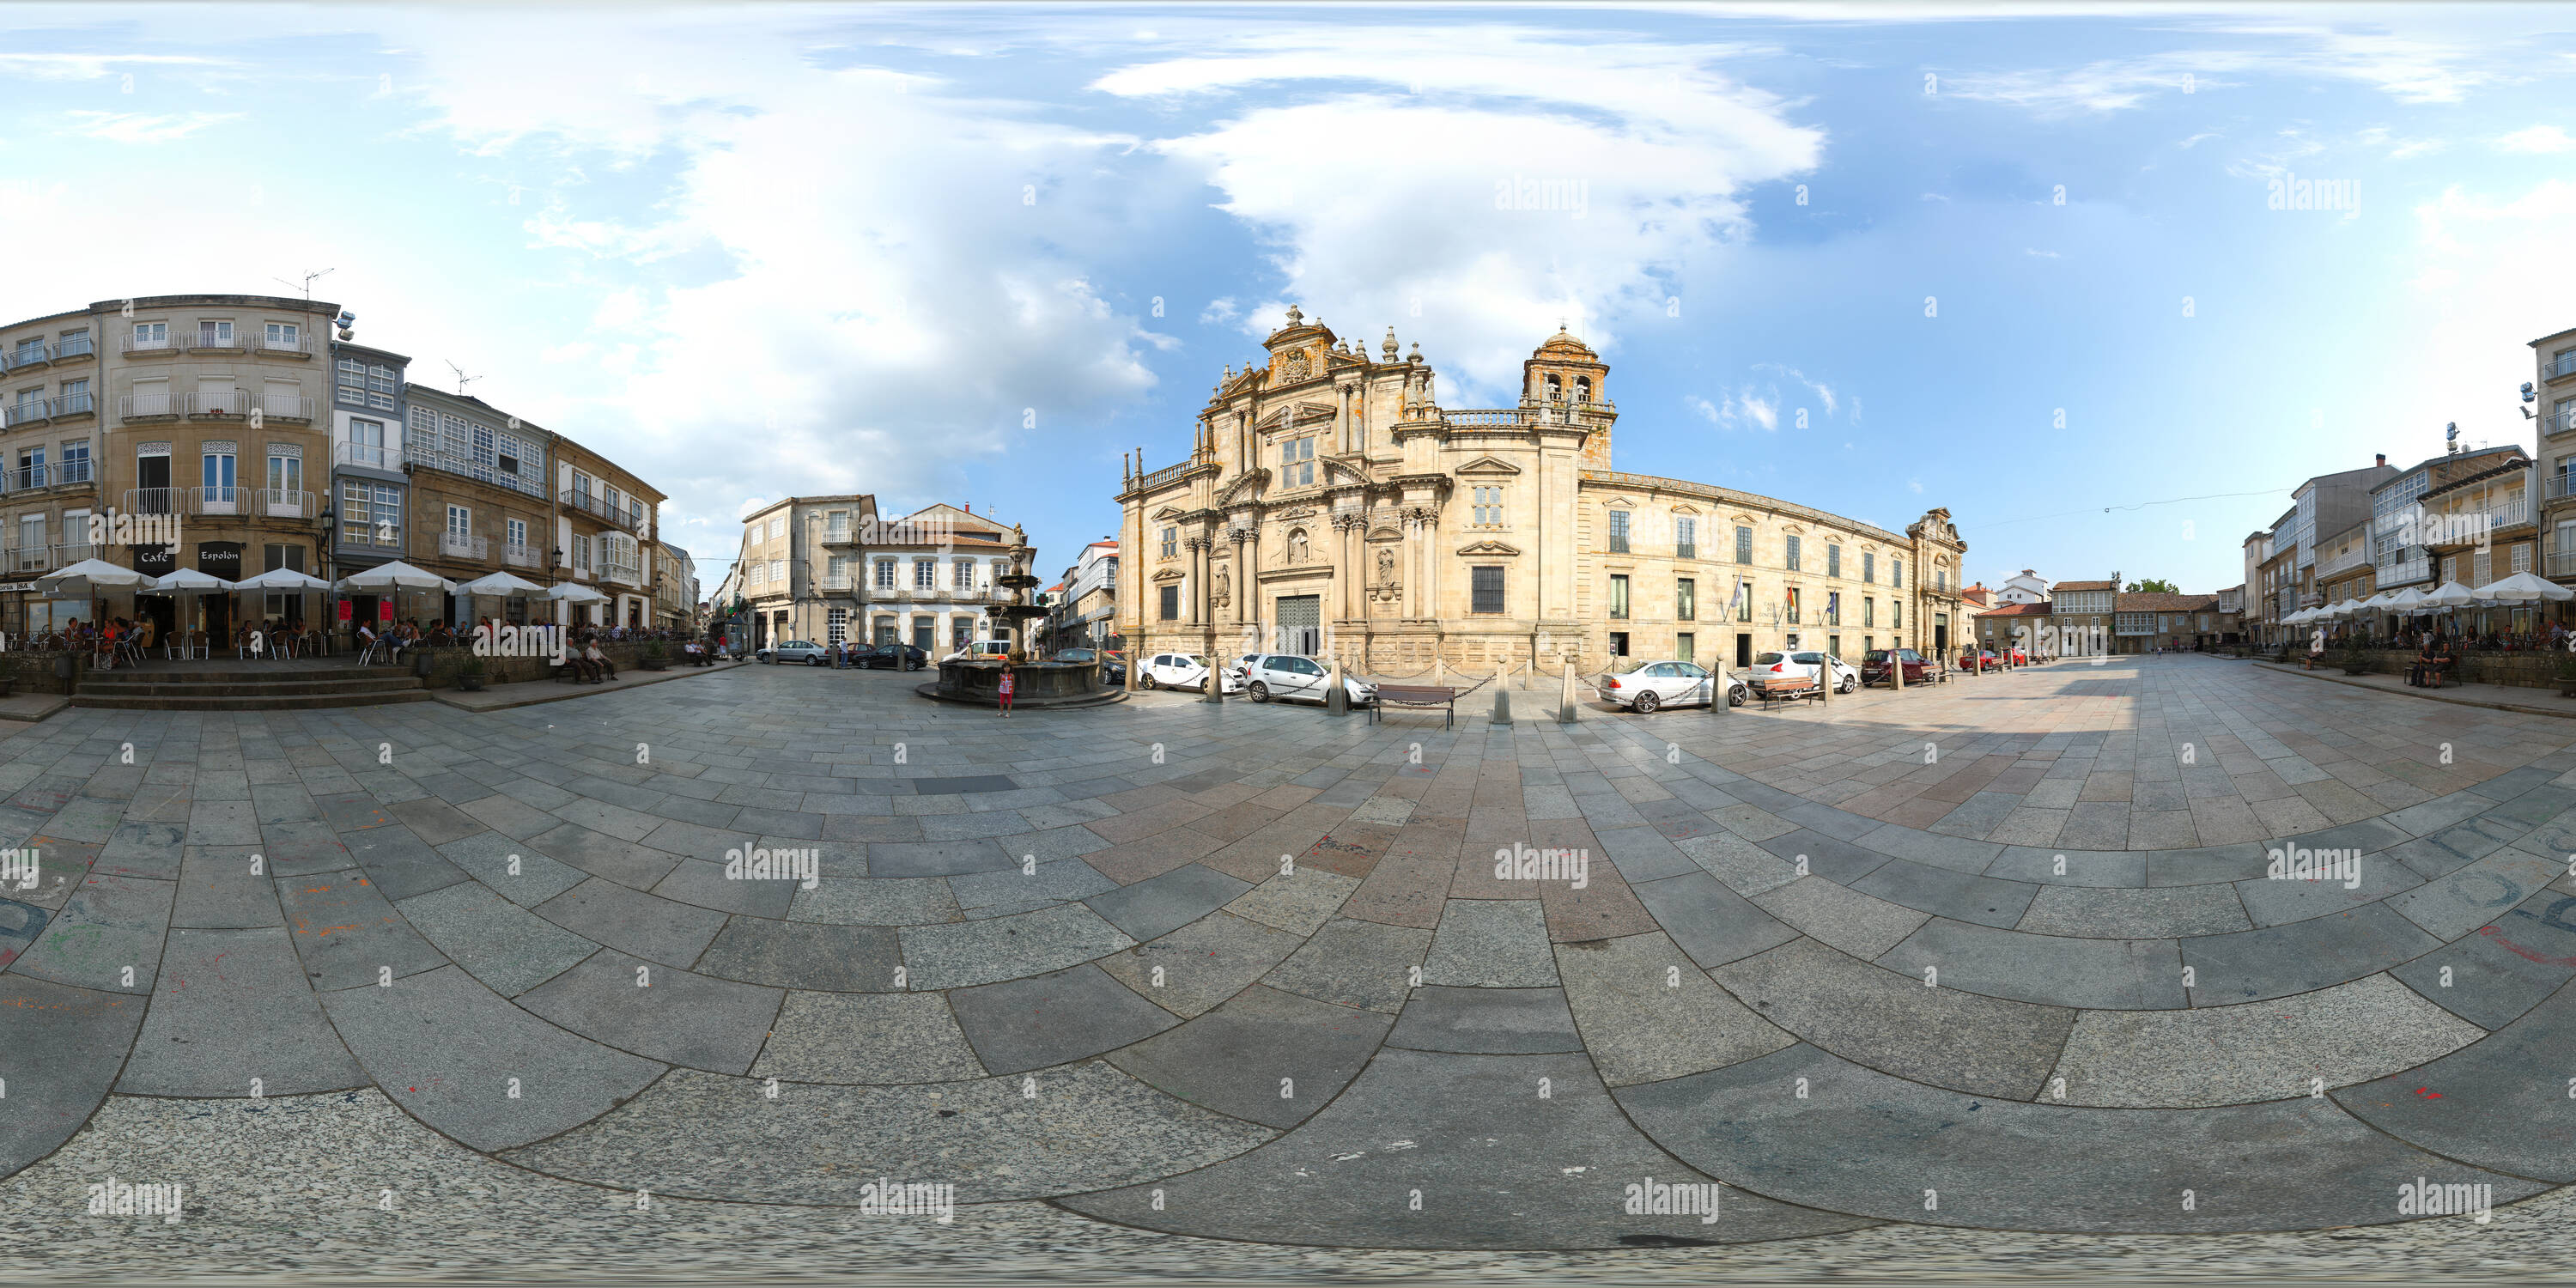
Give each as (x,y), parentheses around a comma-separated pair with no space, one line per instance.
(2521,553)
(1868,611)
(1792,549)
(1868,566)
(220,476)
(962,574)
(1685,538)
(1685,600)
(1896,613)
(1896,572)
(1487,580)
(370,514)
(925,574)
(1793,605)
(885,574)
(1618,532)
(1618,595)
(1833,608)
(1171,603)
(1489,507)
(1171,543)
(1743,545)
(836,625)
(1297,462)
(1833,560)
(1744,601)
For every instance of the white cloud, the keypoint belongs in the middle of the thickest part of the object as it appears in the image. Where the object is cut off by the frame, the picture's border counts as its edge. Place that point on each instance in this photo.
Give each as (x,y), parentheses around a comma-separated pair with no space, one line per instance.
(2040,254)
(1914,485)
(2466,333)
(1743,409)
(2539,138)
(1824,392)
(2409,68)
(138,128)
(1538,178)
(1219,311)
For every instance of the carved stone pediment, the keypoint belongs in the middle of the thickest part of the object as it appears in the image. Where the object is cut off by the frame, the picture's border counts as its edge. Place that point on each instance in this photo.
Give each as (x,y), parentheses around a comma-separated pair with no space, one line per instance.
(1489,549)
(1487,465)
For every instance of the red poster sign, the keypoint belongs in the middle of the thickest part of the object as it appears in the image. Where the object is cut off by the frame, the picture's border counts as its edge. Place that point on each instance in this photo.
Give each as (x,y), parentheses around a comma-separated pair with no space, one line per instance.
(385,609)
(344,610)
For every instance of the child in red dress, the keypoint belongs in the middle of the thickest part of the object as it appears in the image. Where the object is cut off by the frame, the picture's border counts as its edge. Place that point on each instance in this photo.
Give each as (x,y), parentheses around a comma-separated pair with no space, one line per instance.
(1006,690)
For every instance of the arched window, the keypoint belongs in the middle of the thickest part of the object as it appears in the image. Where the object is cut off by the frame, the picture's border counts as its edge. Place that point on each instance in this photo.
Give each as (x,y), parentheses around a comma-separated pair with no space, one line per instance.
(1555,389)
(1583,389)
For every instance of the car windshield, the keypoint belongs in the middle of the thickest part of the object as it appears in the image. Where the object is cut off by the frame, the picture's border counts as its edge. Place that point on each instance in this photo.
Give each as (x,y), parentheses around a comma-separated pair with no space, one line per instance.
(1768,659)
(1810,659)
(1195,660)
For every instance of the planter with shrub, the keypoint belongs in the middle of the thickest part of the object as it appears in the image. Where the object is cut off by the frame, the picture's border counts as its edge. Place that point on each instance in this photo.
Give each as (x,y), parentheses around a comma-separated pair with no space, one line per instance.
(469,674)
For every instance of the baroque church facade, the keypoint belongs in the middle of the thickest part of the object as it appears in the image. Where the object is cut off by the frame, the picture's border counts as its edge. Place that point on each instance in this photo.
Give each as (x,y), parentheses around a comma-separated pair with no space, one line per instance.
(1331,507)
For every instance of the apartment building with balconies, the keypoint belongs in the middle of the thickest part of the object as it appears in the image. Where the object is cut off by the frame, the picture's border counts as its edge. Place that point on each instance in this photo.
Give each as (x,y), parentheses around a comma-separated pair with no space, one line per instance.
(604,519)
(368,490)
(478,500)
(2554,390)
(2343,569)
(2478,525)
(2402,524)
(198,413)
(1088,617)
(931,578)
(800,570)
(675,588)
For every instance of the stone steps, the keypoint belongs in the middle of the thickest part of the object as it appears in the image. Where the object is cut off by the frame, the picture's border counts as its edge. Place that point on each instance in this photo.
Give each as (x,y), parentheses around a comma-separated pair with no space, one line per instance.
(246,690)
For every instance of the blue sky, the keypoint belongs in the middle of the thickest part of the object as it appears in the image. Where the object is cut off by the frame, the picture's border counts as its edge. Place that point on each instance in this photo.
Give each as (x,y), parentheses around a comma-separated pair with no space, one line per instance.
(973,255)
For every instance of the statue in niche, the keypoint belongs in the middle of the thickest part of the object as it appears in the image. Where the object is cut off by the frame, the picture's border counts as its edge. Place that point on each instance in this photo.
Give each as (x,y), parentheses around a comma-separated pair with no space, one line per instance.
(1297,546)
(1220,592)
(1386,566)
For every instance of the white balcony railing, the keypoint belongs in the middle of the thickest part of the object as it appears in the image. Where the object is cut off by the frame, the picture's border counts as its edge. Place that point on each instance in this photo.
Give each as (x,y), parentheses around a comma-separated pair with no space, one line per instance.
(28,411)
(2562,365)
(373,456)
(298,343)
(216,500)
(217,404)
(207,337)
(283,503)
(2513,513)
(521,556)
(2559,563)
(2340,560)
(73,346)
(459,545)
(284,407)
(2403,572)
(2556,487)
(839,581)
(150,406)
(627,574)
(146,344)
(155,500)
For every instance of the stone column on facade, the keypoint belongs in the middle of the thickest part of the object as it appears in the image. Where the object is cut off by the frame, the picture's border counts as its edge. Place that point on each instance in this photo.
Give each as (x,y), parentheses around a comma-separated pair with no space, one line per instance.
(1341,418)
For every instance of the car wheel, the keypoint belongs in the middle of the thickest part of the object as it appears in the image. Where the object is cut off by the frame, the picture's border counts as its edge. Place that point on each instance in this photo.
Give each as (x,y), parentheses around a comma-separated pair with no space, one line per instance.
(1735,695)
(1260,691)
(1146,681)
(1847,685)
(1647,703)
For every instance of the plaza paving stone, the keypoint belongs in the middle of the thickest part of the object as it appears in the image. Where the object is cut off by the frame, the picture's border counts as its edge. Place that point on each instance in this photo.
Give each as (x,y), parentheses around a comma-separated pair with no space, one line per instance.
(1081,955)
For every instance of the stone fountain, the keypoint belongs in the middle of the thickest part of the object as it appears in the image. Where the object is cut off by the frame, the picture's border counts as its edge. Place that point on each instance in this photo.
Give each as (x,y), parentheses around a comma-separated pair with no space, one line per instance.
(1037,684)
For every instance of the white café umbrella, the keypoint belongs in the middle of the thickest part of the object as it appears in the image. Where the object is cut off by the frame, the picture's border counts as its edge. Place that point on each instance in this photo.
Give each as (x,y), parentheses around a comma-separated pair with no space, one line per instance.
(2450,594)
(568,593)
(2524,588)
(500,585)
(89,578)
(394,576)
(283,581)
(2409,601)
(185,581)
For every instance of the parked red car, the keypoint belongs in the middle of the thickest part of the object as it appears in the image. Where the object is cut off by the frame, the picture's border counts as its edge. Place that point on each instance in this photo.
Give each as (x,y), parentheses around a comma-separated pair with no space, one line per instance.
(1918,668)
(1970,660)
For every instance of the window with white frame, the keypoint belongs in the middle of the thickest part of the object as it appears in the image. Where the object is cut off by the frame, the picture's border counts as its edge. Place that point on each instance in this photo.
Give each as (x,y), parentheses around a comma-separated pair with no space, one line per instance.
(962,575)
(1488,510)
(1171,543)
(885,574)
(2522,557)
(1297,462)
(581,551)
(925,574)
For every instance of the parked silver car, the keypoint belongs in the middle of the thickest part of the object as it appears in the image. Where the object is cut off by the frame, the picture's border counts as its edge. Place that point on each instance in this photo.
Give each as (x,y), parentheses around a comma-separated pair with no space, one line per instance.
(1656,685)
(1288,677)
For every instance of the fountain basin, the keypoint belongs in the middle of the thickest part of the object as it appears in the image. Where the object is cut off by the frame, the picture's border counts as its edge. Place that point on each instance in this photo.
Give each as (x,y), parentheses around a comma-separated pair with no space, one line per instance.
(1037,685)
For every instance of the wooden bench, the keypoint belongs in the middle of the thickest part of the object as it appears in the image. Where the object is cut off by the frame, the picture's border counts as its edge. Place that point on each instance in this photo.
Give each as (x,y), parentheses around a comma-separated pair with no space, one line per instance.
(1779,691)
(1417,695)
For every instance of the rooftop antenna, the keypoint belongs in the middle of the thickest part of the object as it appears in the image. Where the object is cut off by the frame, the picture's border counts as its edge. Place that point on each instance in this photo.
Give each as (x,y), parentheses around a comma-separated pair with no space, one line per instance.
(462,379)
(307,286)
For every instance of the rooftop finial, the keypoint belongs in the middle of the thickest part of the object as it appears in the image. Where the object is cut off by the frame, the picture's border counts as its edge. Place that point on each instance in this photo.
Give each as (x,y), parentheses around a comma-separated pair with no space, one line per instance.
(1389,348)
(1295,317)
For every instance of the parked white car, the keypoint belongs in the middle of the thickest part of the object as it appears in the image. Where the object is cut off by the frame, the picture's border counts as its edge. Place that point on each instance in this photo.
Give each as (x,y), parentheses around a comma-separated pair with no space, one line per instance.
(1181,671)
(1656,685)
(1768,667)
(1290,678)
